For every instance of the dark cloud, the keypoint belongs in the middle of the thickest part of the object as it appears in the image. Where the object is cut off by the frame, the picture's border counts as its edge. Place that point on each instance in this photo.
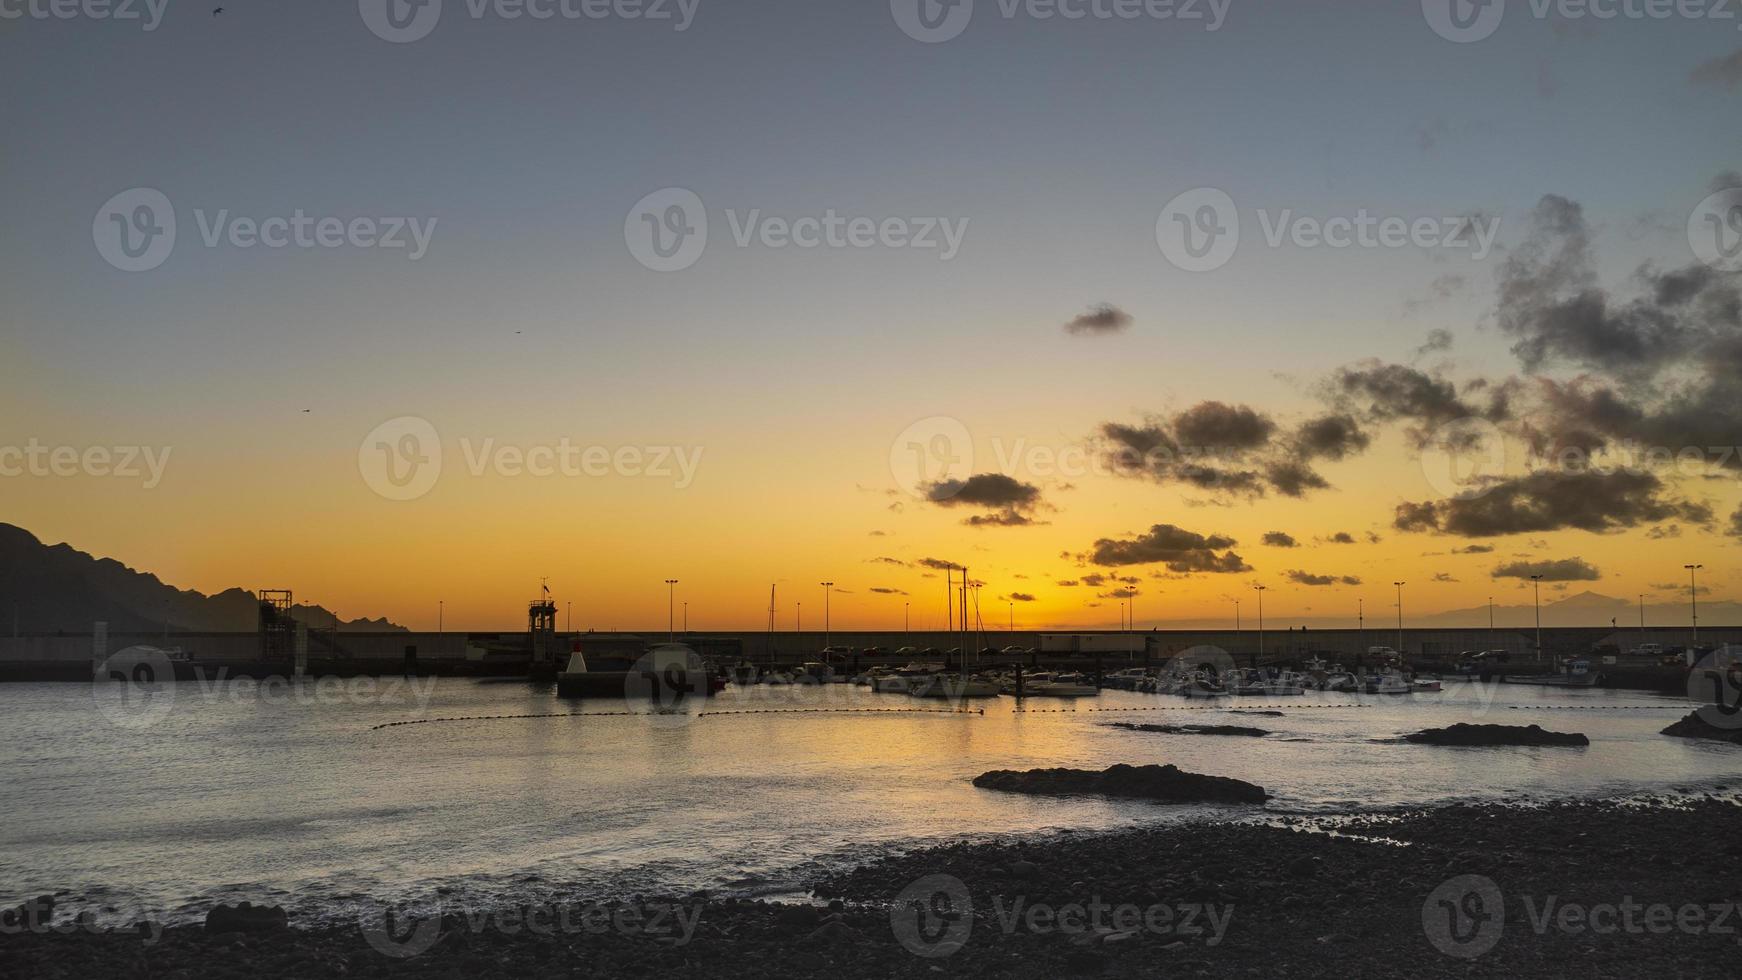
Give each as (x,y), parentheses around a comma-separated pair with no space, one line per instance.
(1550,500)
(1222,426)
(1020,597)
(1003,518)
(937,563)
(1560,570)
(1438,341)
(883,560)
(1381,393)
(1280,539)
(1008,500)
(1734,528)
(1443,577)
(878,534)
(886,591)
(1664,531)
(1230,449)
(1094,580)
(1330,437)
(1068,583)
(1180,550)
(1125,593)
(1725,72)
(1308,578)
(1104,318)
(1341,537)
(1474,549)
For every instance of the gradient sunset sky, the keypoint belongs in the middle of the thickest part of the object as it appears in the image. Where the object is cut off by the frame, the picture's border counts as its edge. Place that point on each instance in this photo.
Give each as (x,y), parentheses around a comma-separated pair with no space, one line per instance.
(798,373)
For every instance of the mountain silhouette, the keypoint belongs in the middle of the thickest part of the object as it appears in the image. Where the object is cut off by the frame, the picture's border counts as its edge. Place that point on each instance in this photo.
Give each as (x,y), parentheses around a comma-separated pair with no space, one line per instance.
(57,588)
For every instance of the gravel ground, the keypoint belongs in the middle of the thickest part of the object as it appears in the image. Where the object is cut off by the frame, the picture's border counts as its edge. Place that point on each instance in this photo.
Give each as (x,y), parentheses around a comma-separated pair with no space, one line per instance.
(1555,891)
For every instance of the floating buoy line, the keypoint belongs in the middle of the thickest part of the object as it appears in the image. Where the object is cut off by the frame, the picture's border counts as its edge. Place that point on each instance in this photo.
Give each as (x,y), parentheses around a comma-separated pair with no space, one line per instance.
(699,714)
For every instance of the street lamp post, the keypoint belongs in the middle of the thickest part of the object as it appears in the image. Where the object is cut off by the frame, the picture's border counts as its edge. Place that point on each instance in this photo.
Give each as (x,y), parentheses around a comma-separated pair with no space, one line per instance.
(1536,600)
(1399,617)
(827,588)
(906,627)
(1260,589)
(686,619)
(1694,601)
(441,610)
(670,606)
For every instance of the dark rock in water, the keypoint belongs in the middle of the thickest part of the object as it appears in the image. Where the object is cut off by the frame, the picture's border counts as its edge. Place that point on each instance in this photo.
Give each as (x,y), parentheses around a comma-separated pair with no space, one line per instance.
(1696,726)
(1194,729)
(1462,734)
(1166,784)
(246,917)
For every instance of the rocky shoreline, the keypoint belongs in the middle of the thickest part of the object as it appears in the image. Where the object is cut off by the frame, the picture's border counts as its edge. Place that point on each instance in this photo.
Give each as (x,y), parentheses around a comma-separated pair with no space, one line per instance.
(1371,897)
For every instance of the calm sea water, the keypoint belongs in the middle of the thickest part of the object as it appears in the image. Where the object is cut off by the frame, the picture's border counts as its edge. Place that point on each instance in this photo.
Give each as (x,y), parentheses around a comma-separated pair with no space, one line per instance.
(225,793)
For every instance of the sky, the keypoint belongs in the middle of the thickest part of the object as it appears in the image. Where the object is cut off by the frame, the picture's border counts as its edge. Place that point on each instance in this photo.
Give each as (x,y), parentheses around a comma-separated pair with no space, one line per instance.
(475,216)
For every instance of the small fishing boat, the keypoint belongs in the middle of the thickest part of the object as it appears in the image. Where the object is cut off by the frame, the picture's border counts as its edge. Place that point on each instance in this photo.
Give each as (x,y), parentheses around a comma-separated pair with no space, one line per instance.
(1390,682)
(1574,673)
(953,686)
(1062,686)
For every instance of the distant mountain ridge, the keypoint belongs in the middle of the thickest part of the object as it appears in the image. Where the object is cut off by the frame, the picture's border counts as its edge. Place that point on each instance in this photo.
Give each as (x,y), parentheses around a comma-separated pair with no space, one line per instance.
(57,588)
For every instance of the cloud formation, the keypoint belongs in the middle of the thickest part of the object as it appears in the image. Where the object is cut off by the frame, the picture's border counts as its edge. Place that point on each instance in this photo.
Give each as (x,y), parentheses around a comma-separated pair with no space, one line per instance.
(1233,450)
(1280,539)
(1176,548)
(1103,318)
(1009,502)
(1308,578)
(1552,500)
(1560,570)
